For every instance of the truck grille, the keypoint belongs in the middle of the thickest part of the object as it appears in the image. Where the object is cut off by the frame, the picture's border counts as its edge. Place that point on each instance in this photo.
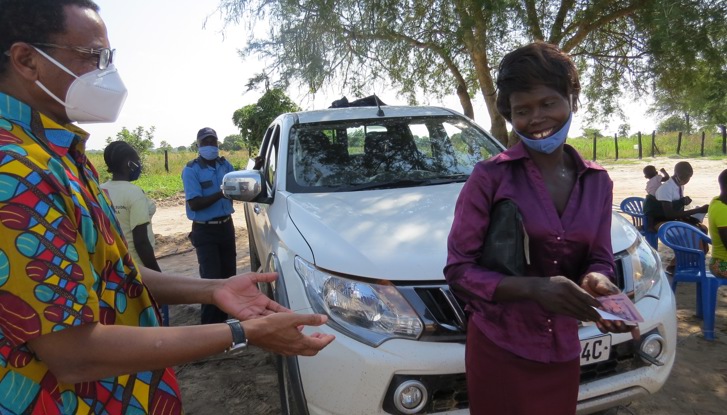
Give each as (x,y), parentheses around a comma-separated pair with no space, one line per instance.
(441,312)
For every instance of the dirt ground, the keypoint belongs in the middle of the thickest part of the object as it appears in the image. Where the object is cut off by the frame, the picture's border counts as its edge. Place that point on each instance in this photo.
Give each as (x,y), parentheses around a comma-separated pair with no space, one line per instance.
(247,383)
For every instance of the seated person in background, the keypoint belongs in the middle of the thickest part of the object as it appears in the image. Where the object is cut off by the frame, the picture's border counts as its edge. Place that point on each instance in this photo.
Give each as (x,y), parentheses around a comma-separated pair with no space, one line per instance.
(669,201)
(654,179)
(717,215)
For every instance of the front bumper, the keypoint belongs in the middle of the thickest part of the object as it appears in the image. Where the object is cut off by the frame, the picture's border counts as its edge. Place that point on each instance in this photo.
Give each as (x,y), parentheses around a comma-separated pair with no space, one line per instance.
(660,316)
(349,377)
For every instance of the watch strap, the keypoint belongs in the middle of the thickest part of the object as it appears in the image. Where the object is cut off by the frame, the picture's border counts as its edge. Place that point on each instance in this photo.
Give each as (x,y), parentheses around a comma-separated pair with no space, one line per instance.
(238,335)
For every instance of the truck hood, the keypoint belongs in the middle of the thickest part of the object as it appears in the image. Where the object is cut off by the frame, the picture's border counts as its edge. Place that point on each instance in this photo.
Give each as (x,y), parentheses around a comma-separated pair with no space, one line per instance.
(391,234)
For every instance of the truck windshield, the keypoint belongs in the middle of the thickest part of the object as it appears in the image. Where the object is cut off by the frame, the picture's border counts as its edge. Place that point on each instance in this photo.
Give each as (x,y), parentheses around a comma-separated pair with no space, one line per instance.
(396,152)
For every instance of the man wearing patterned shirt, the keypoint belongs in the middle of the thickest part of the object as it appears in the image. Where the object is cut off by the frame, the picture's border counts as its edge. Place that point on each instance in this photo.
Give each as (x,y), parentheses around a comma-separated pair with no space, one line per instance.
(79,328)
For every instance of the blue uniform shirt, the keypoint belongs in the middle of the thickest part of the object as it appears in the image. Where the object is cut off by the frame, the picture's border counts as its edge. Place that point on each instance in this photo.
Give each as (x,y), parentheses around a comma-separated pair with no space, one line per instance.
(200,179)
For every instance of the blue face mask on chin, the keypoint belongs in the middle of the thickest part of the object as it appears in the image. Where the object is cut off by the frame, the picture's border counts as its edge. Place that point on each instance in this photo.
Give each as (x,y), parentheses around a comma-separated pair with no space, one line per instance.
(209,152)
(135,172)
(548,145)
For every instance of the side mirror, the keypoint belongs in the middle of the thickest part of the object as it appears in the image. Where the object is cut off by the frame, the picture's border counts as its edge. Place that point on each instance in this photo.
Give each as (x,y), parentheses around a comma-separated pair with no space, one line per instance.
(243,185)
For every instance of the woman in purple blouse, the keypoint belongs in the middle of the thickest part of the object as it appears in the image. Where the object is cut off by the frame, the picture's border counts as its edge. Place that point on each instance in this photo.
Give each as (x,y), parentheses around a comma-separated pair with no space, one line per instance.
(522,353)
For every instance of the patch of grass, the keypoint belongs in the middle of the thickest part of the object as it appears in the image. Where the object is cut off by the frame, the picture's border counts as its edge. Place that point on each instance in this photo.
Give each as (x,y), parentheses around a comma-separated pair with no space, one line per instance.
(156,182)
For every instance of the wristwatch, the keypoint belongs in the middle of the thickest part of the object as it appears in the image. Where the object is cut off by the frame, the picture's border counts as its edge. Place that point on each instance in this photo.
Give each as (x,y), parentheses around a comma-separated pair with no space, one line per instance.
(239,341)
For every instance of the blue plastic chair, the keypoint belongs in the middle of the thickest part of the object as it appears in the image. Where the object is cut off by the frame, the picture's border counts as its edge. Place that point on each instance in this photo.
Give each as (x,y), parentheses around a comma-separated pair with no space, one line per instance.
(634,207)
(687,241)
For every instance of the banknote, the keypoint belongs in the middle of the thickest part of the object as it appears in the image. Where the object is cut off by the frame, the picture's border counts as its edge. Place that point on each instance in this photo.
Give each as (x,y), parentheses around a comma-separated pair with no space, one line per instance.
(619,307)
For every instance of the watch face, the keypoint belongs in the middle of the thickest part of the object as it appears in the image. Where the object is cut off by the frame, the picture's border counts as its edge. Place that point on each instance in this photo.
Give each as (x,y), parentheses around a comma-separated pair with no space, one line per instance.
(237,348)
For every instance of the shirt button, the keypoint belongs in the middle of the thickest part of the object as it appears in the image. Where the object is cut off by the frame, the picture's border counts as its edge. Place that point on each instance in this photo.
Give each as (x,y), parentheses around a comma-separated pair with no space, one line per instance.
(550,330)
(558,238)
(555,262)
(548,320)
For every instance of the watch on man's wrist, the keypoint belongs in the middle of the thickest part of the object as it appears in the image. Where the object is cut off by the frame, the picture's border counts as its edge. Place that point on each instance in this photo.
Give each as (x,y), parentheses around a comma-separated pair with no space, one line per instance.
(239,341)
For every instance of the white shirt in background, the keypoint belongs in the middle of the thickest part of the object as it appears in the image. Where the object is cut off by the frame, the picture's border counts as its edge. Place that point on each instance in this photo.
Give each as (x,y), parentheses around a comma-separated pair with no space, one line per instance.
(132,209)
(653,184)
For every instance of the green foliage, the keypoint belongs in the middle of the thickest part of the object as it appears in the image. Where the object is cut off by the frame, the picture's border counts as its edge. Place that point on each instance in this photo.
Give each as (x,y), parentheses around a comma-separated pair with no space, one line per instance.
(689,40)
(623,130)
(590,131)
(254,119)
(140,139)
(672,124)
(233,142)
(156,182)
(439,47)
(665,144)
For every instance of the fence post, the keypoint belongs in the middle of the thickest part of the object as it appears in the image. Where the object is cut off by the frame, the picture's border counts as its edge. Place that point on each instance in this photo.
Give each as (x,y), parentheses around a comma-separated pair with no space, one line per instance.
(653,142)
(594,146)
(615,143)
(702,148)
(166,161)
(679,143)
(724,138)
(639,135)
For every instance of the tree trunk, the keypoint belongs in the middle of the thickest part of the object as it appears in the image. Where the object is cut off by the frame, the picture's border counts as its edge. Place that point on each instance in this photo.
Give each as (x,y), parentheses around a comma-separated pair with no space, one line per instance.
(465,101)
(498,127)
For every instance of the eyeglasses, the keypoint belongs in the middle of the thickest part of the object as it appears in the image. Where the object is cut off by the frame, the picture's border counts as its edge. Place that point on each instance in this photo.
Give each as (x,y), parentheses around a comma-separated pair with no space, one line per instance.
(105,55)
(133,165)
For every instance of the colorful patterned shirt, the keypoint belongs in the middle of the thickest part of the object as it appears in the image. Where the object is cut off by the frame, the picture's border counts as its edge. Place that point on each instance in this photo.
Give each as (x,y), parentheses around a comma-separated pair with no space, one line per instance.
(64,263)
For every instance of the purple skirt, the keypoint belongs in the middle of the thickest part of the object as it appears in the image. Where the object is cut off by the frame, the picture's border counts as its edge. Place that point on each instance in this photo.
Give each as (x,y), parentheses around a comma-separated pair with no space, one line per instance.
(501,383)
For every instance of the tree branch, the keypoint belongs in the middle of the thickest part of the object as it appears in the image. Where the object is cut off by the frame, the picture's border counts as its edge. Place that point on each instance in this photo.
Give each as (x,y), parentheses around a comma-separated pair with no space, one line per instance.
(556,34)
(586,28)
(533,22)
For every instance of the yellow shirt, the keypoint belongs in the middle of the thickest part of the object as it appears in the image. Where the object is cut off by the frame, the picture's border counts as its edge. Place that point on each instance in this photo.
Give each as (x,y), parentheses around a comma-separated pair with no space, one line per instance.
(717,215)
(132,209)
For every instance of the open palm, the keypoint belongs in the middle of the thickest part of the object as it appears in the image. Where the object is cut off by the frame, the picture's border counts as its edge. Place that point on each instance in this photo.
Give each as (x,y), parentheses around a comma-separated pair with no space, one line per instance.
(240,297)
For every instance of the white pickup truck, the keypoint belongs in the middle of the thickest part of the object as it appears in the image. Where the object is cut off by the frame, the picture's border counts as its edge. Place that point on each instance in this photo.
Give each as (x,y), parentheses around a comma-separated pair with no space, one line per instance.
(352,207)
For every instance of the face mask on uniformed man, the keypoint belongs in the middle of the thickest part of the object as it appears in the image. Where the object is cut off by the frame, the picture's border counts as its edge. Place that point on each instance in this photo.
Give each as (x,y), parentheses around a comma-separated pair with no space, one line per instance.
(209,152)
(96,96)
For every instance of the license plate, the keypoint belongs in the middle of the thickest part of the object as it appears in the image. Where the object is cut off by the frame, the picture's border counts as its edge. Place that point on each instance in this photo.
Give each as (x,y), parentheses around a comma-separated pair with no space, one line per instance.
(595,349)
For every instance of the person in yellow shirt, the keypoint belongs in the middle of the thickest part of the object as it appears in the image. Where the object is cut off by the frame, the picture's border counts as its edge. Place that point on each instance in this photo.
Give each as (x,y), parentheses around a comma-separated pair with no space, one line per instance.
(133,208)
(717,219)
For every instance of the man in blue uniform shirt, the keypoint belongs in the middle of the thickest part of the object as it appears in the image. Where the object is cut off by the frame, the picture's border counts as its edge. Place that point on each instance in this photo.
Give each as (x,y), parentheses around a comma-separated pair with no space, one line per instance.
(213,233)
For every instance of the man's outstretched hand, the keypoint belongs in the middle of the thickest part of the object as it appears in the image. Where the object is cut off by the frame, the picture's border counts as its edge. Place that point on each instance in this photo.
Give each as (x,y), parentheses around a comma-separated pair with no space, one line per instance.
(280,333)
(240,297)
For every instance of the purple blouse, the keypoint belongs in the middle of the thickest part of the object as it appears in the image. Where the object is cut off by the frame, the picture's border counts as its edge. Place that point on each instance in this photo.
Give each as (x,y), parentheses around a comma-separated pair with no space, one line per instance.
(571,245)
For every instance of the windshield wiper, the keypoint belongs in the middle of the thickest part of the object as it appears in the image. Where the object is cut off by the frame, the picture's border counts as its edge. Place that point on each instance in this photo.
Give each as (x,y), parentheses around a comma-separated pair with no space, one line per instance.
(391,184)
(452,177)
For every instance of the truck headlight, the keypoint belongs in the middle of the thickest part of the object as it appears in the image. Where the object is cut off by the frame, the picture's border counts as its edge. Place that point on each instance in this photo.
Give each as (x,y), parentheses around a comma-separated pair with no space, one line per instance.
(646,270)
(370,312)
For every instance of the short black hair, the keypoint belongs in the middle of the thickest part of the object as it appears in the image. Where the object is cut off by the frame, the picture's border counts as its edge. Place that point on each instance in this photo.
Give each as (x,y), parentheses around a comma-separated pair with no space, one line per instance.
(116,153)
(683,168)
(722,179)
(650,169)
(33,21)
(533,65)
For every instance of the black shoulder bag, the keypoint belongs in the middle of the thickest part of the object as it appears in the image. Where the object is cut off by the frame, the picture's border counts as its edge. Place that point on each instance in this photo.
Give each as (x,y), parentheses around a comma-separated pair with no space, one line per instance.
(506,245)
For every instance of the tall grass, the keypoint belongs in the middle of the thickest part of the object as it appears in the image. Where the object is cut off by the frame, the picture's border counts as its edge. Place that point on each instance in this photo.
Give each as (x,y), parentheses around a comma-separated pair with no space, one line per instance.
(664,145)
(156,182)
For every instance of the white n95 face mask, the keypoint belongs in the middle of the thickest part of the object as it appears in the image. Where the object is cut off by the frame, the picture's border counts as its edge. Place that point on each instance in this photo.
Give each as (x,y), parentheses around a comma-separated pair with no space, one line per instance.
(93,97)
